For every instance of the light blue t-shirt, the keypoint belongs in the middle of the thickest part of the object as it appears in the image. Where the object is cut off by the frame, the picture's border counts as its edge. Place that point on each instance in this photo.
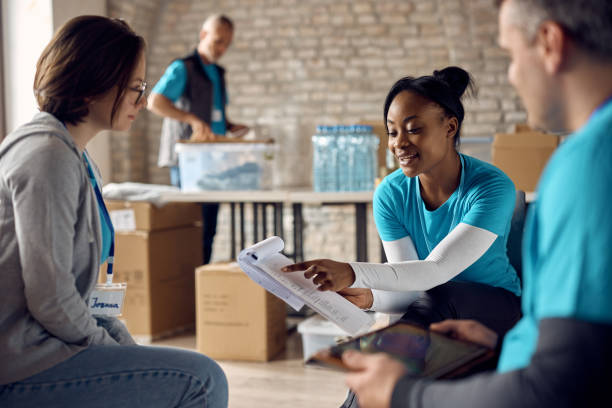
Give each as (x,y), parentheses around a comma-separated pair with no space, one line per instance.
(485,199)
(567,254)
(172,85)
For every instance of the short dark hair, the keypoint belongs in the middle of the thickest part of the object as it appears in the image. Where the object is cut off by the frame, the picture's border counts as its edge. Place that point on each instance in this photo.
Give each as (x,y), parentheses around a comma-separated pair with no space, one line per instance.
(587,22)
(86,58)
(445,88)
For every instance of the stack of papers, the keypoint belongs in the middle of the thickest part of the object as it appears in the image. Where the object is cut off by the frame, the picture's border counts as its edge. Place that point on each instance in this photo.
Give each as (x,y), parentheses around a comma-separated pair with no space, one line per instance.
(263,262)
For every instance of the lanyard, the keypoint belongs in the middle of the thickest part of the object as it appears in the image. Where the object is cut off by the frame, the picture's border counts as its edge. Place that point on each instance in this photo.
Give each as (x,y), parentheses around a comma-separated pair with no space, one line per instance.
(421,210)
(111,253)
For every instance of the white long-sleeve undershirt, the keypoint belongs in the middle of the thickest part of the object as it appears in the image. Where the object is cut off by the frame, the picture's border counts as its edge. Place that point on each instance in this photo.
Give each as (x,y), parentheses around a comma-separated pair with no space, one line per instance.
(387,301)
(399,282)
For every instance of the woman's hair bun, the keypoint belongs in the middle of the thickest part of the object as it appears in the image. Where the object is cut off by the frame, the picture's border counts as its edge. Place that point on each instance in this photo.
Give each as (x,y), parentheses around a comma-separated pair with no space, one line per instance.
(456,78)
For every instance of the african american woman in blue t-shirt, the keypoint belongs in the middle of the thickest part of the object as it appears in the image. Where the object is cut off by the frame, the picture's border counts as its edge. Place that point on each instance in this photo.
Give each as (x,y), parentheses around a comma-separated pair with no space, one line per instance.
(443,217)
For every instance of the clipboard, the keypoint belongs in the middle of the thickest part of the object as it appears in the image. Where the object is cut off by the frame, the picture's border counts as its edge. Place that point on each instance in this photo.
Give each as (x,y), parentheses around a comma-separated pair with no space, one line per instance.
(425,353)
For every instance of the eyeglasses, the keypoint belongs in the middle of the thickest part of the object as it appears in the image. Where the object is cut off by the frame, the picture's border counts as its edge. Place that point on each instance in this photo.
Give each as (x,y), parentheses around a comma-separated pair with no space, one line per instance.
(141,91)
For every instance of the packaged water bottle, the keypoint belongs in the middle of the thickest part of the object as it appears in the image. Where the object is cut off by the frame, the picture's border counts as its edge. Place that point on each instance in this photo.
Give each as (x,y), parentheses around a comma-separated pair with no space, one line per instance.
(364,159)
(353,153)
(373,142)
(331,165)
(342,159)
(317,159)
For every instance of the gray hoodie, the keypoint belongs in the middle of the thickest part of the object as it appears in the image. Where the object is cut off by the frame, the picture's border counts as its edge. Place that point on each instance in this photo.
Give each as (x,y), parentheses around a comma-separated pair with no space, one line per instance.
(50,242)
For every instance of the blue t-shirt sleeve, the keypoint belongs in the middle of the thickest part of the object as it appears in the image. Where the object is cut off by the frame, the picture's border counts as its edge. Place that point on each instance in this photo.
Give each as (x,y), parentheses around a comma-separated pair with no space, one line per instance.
(172,83)
(492,201)
(573,225)
(387,214)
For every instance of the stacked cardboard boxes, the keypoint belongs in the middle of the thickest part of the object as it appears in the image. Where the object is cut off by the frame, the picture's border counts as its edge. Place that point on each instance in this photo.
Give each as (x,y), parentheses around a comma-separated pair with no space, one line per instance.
(236,319)
(156,253)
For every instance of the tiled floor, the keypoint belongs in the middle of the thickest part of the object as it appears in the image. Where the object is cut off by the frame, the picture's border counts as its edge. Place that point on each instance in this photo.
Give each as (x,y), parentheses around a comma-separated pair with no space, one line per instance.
(282,382)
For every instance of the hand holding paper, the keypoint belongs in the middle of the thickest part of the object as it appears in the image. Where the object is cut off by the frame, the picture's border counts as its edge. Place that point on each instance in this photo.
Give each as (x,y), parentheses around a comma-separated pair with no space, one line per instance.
(263,263)
(362,298)
(328,274)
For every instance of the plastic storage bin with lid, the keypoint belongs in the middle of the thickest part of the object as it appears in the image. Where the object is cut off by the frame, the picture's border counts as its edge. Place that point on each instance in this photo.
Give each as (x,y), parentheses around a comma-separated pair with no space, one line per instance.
(319,333)
(245,165)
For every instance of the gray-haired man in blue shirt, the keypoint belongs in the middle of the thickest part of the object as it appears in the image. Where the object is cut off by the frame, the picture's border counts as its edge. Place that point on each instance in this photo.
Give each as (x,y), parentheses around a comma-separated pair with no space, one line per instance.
(191,96)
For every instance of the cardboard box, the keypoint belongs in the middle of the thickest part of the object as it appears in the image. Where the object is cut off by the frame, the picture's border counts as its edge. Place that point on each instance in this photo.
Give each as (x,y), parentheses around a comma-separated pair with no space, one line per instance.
(522,127)
(236,319)
(523,156)
(145,216)
(158,267)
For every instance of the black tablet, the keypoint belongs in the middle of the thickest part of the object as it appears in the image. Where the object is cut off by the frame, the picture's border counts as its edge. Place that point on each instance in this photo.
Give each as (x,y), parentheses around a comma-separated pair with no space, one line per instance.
(425,353)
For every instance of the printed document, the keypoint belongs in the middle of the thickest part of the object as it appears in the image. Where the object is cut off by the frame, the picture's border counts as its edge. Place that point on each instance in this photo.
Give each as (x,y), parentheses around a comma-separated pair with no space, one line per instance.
(263,262)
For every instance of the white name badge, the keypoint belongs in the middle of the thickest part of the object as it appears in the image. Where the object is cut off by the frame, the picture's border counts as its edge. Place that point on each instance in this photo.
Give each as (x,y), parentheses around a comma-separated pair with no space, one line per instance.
(107,299)
(123,220)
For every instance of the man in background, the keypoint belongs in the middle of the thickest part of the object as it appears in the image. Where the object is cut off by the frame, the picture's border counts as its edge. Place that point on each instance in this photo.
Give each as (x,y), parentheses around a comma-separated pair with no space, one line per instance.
(192,96)
(558,354)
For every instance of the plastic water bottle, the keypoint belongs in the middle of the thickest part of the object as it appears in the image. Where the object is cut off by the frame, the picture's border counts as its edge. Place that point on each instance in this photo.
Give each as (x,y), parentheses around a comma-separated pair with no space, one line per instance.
(372,144)
(331,165)
(317,158)
(364,158)
(343,159)
(353,157)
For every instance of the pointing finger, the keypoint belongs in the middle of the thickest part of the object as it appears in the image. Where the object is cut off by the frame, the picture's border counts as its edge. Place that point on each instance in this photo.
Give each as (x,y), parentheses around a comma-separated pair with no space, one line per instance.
(311,271)
(300,266)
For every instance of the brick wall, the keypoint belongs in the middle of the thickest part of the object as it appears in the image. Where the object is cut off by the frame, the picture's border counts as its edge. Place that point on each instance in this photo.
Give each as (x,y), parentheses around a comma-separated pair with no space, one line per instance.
(129,151)
(297,63)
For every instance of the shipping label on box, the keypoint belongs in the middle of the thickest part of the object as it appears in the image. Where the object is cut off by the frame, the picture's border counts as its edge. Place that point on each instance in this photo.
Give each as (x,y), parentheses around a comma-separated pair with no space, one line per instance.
(123,220)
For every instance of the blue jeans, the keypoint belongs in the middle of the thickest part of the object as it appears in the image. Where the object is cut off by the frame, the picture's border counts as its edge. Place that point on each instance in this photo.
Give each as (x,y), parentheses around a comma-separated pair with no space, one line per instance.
(123,376)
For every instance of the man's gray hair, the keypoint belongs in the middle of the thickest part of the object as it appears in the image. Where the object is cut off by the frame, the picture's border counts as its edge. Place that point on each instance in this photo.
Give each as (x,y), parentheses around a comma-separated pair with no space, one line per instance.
(215,19)
(588,22)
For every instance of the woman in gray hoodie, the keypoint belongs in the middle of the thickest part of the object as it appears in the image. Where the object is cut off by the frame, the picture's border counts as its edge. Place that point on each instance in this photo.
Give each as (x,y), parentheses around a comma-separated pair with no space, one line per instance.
(55,232)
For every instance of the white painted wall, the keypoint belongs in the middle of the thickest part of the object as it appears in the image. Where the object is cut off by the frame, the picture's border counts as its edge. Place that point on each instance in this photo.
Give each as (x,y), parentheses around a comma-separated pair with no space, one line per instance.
(27,26)
(26,30)
(63,10)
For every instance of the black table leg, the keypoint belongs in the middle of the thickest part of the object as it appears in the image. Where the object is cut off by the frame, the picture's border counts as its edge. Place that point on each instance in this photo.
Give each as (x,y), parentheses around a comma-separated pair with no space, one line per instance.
(233,230)
(298,233)
(278,220)
(264,220)
(361,232)
(255,222)
(242,226)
